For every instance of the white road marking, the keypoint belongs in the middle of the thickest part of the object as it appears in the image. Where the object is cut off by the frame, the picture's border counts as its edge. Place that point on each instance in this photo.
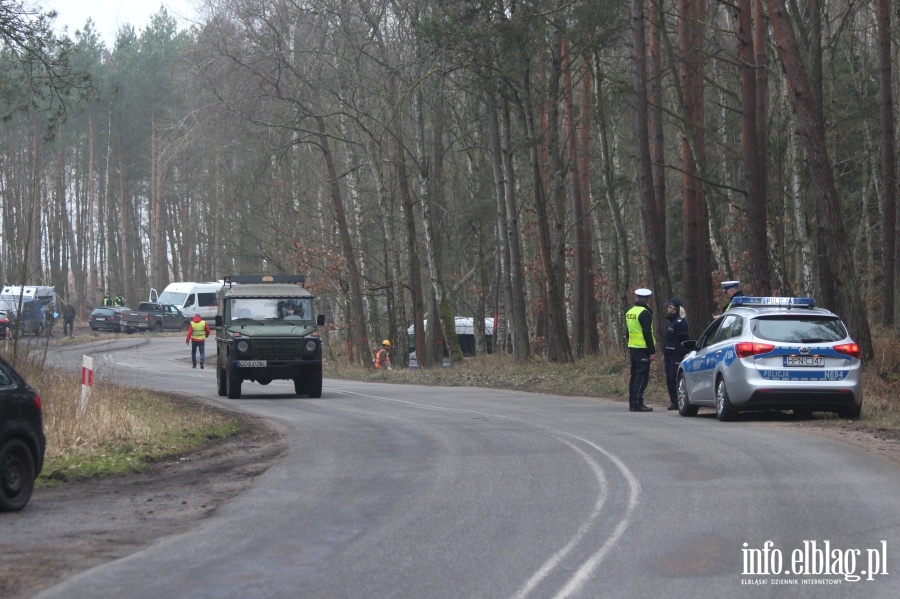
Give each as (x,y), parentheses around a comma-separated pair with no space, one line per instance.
(588,567)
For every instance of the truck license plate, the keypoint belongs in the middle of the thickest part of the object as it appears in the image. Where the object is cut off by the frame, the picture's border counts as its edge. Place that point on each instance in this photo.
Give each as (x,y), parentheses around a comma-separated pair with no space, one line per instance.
(251,363)
(804,361)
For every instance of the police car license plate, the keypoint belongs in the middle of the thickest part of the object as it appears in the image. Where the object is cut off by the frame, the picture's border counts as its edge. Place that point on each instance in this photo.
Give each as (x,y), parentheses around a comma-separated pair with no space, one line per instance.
(251,363)
(804,361)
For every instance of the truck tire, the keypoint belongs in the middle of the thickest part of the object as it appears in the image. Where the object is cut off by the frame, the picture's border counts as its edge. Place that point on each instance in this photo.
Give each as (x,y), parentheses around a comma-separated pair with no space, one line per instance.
(314,383)
(232,383)
(222,384)
(157,327)
(300,385)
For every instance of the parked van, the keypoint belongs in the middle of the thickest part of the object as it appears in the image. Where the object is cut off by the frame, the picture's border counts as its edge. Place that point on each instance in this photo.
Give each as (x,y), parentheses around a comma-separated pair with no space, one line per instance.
(45,293)
(193,298)
(465,331)
(31,318)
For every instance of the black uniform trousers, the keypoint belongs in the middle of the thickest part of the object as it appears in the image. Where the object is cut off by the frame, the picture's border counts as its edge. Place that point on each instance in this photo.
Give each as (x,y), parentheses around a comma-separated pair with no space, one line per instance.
(640,376)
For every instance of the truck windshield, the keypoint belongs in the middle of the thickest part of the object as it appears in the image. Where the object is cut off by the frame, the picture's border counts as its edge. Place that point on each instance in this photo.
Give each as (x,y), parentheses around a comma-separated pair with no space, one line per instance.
(270,308)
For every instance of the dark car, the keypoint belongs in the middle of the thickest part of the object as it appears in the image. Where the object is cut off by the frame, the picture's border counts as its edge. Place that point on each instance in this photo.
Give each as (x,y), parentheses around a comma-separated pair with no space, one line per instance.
(106,319)
(22,441)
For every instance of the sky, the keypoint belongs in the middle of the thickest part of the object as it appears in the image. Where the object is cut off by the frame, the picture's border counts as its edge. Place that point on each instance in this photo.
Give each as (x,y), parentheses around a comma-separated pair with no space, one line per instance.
(109,15)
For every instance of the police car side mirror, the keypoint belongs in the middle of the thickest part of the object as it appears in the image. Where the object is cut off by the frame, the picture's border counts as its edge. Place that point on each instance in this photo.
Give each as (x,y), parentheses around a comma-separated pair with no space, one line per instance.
(218,320)
(689,345)
(320,320)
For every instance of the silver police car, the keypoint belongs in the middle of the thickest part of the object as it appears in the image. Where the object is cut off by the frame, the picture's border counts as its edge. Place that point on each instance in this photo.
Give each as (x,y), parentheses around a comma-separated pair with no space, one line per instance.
(772,353)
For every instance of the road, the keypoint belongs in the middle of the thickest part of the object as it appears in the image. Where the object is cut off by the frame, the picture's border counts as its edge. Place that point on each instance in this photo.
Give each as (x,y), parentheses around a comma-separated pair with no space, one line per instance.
(411,491)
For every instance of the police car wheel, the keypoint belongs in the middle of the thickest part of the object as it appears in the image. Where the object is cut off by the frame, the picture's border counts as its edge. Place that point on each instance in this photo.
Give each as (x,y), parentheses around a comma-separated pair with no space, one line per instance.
(724,411)
(684,401)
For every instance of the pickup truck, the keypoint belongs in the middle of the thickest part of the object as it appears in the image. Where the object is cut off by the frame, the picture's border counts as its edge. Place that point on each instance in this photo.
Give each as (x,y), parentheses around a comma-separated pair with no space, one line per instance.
(152,316)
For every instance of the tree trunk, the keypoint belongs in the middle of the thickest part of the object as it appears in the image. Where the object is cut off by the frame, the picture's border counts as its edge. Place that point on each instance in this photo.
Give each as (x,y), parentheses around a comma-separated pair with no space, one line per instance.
(518,319)
(655,119)
(621,271)
(656,253)
(592,338)
(832,234)
(753,156)
(358,320)
(888,157)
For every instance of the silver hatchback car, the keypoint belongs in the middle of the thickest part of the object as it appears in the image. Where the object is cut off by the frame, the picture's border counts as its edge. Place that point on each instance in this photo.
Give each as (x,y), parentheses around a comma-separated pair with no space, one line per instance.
(772,353)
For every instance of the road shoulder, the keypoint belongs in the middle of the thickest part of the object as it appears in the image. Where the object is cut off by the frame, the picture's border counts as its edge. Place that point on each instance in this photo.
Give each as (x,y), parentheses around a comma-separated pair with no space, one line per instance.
(81,524)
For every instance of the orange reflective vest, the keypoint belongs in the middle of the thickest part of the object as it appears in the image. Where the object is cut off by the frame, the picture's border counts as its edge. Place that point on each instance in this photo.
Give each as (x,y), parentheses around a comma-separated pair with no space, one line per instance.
(382,358)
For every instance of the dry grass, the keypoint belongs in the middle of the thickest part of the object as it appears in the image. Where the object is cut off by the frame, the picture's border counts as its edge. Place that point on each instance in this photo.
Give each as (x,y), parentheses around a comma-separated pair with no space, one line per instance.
(607,376)
(121,429)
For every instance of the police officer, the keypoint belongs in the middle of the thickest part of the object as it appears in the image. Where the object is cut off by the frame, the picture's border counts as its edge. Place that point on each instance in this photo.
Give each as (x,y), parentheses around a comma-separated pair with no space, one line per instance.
(673,351)
(641,347)
(107,301)
(731,289)
(119,300)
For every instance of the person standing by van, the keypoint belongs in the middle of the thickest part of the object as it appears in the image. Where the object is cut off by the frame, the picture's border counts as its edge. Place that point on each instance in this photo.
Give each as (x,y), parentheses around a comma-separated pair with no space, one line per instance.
(196,336)
(69,320)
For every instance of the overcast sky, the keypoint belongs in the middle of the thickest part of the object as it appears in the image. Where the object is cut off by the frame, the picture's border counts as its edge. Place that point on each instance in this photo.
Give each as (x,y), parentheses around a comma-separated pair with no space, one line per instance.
(109,15)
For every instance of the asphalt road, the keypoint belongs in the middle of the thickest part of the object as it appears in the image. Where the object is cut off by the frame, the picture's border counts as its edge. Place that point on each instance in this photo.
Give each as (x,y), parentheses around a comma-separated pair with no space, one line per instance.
(420,492)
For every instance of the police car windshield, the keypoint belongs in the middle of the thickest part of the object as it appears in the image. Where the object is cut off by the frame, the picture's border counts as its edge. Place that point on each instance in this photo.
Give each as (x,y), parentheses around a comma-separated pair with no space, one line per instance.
(793,329)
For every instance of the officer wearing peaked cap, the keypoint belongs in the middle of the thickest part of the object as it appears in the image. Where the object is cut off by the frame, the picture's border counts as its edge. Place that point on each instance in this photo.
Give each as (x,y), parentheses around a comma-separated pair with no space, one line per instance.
(731,289)
(641,348)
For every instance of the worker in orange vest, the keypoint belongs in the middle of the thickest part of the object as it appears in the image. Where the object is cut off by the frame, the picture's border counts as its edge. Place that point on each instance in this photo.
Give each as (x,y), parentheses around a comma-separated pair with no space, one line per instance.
(383,356)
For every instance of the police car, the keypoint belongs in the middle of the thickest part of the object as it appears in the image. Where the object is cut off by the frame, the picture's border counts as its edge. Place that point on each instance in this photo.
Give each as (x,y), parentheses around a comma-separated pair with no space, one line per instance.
(772,353)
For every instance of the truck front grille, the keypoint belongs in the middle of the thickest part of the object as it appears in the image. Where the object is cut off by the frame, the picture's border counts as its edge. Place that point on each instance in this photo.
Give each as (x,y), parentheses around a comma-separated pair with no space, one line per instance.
(278,349)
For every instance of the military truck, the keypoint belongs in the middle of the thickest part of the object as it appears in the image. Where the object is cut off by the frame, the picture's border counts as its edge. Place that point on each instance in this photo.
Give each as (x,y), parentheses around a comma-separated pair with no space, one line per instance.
(266,330)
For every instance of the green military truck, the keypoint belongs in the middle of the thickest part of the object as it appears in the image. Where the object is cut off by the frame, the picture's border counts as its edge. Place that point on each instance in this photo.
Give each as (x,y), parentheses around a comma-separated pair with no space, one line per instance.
(266,330)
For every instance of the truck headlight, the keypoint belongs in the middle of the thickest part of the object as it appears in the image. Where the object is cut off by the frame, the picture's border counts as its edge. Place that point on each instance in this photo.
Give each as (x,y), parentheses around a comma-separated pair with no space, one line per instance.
(311,346)
(243,346)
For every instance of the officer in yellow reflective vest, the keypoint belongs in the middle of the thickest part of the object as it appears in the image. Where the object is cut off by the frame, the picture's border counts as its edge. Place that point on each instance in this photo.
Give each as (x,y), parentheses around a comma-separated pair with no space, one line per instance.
(641,347)
(196,336)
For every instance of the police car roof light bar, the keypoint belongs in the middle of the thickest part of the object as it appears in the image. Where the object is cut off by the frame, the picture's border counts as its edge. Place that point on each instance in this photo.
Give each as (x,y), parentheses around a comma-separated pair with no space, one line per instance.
(232,279)
(764,302)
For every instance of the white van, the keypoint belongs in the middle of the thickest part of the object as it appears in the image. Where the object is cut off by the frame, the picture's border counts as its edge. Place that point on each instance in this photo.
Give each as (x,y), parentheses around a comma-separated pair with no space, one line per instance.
(45,293)
(193,298)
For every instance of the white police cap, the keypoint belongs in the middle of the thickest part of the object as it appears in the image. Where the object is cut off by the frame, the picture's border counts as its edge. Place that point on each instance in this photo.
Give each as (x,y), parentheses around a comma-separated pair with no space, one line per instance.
(643,292)
(730,284)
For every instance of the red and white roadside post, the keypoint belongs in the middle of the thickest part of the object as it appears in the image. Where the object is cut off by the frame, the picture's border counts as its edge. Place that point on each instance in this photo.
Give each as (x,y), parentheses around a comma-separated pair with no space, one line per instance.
(87,381)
